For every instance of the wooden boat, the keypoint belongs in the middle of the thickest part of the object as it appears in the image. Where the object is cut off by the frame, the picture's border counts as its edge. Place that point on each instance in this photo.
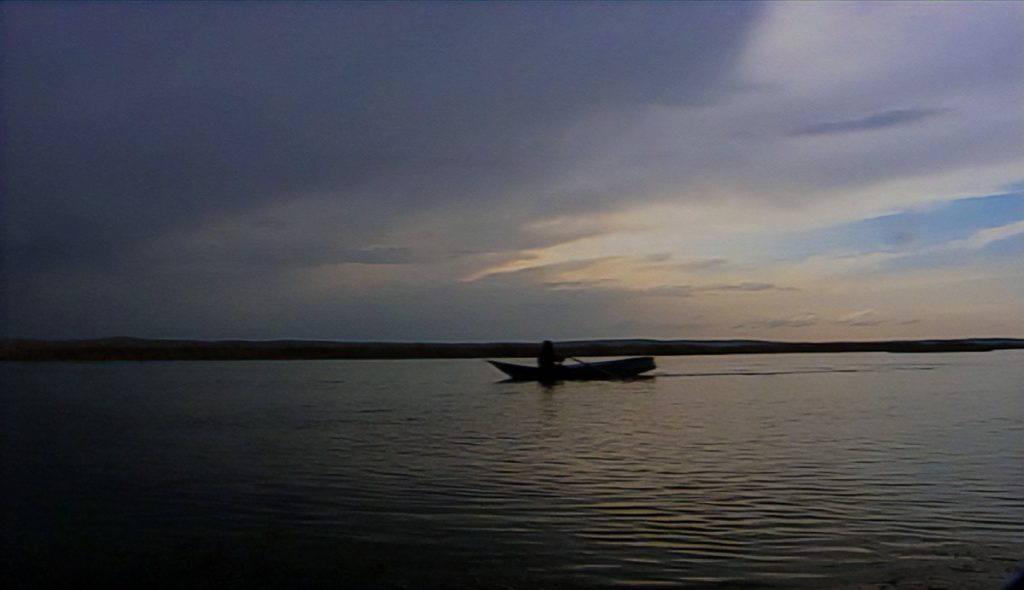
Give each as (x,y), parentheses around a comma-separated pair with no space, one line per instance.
(608,370)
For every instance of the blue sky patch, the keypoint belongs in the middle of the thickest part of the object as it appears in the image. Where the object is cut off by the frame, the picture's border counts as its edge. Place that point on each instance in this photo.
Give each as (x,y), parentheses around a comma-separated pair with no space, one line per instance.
(913,230)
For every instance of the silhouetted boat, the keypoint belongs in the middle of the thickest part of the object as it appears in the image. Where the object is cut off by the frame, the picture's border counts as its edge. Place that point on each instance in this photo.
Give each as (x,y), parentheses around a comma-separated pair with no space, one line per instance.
(607,370)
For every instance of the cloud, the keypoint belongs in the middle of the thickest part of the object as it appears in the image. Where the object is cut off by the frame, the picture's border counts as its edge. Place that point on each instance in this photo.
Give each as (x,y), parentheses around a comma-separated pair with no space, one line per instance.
(745,287)
(892,118)
(583,284)
(381,255)
(662,329)
(974,232)
(701,264)
(392,110)
(670,291)
(801,320)
(691,290)
(560,162)
(626,274)
(270,223)
(984,237)
(863,318)
(527,267)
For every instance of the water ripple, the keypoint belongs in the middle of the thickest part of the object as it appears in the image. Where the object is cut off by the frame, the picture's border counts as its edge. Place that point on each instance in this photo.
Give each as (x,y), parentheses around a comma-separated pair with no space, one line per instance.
(850,471)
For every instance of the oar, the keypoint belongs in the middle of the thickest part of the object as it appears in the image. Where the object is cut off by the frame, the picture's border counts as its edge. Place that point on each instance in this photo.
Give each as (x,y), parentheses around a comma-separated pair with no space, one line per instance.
(596,368)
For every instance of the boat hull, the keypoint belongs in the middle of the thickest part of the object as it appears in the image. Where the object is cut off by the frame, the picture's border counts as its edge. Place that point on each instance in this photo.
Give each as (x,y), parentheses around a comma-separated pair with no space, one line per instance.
(601,370)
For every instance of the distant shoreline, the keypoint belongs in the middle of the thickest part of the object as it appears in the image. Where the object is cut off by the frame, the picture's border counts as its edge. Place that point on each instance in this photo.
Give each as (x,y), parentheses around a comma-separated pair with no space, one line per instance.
(139,349)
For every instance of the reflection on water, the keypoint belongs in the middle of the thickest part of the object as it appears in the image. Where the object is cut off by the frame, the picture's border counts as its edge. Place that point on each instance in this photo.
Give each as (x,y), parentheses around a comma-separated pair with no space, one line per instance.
(782,471)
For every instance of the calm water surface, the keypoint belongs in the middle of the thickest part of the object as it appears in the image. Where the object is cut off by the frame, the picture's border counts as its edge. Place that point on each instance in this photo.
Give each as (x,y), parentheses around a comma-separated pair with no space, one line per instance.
(778,471)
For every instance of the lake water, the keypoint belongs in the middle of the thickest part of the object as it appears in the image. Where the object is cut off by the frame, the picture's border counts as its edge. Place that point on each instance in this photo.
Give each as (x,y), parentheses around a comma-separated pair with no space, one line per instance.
(774,471)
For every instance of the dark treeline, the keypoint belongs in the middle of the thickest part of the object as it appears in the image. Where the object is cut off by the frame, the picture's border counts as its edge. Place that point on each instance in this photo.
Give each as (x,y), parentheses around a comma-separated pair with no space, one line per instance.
(113,349)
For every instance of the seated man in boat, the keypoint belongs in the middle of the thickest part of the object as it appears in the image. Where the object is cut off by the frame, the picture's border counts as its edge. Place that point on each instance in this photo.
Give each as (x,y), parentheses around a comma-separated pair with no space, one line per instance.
(547,359)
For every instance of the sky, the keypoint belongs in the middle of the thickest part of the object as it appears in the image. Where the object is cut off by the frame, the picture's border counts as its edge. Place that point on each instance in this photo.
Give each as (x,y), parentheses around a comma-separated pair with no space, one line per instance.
(419,171)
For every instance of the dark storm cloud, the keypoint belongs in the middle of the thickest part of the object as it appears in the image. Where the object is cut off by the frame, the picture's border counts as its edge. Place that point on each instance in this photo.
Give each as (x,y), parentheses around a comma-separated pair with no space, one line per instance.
(893,118)
(123,120)
(165,163)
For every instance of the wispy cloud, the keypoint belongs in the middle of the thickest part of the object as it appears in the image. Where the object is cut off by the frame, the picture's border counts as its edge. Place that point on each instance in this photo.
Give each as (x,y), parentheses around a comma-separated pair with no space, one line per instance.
(530,266)
(745,287)
(380,255)
(701,264)
(990,235)
(885,119)
(626,274)
(691,290)
(583,284)
(670,291)
(801,320)
(863,318)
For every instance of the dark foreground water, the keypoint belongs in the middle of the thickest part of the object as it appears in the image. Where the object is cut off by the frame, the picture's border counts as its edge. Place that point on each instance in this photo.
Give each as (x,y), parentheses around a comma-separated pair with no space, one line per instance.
(787,471)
